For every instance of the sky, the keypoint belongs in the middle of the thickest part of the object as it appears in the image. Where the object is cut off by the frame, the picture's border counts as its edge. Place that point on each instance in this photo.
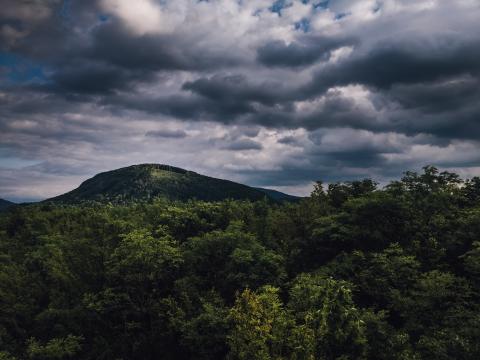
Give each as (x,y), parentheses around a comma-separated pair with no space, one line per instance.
(269,93)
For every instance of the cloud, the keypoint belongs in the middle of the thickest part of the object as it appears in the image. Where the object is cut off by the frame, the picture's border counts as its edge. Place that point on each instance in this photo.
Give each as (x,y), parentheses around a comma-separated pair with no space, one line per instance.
(268,93)
(243,144)
(19,19)
(390,64)
(167,133)
(288,140)
(142,17)
(300,53)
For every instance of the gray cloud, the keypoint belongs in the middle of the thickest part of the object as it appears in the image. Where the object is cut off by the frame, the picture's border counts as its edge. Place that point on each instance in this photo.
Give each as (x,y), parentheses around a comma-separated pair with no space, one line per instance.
(289,140)
(243,144)
(167,133)
(304,52)
(388,64)
(357,89)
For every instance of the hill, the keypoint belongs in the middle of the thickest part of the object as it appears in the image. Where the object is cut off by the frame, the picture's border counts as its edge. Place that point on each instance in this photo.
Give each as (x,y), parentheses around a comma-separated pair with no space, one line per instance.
(147,181)
(5,204)
(278,195)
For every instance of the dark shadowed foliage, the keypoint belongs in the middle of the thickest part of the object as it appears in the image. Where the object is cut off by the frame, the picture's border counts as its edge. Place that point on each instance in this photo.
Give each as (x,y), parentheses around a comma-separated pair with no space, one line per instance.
(351,272)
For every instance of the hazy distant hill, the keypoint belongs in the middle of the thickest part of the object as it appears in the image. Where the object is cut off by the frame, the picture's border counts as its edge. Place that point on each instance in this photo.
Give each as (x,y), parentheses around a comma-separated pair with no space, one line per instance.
(146,181)
(5,204)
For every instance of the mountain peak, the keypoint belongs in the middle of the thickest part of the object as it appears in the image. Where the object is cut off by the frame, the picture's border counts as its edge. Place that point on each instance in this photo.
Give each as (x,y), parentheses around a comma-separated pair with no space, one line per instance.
(147,181)
(156,167)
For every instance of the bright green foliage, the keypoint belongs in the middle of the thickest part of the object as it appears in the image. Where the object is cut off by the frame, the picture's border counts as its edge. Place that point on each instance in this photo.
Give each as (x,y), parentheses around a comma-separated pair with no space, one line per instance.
(260,326)
(320,322)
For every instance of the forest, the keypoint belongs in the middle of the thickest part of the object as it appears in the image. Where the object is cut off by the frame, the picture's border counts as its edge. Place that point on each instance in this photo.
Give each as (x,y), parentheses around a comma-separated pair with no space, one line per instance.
(354,271)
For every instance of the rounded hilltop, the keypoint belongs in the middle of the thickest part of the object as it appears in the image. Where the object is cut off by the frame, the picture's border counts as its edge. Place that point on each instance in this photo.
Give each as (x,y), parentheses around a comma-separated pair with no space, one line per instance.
(144,182)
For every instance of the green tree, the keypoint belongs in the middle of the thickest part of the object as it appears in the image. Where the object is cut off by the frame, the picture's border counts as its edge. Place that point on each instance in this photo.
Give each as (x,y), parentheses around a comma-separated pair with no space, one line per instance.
(57,348)
(259,326)
(231,259)
(324,307)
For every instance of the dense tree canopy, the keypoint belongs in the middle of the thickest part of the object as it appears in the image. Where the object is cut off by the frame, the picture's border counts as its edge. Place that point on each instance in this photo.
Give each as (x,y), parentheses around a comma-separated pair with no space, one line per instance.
(352,272)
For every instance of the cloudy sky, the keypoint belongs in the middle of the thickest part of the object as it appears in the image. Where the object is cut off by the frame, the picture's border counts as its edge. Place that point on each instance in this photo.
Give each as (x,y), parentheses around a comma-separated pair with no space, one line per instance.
(269,93)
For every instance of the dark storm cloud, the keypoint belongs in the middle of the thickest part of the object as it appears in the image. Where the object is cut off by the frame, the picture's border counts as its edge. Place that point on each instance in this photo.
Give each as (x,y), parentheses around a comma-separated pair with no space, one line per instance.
(366,158)
(300,53)
(91,78)
(49,29)
(108,58)
(237,88)
(18,19)
(437,97)
(413,82)
(115,60)
(85,52)
(183,107)
(374,88)
(115,45)
(387,65)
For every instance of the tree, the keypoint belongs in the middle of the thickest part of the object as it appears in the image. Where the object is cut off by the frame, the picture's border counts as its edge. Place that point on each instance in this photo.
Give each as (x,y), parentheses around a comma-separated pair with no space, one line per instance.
(205,333)
(142,260)
(259,324)
(232,259)
(136,301)
(57,348)
(324,307)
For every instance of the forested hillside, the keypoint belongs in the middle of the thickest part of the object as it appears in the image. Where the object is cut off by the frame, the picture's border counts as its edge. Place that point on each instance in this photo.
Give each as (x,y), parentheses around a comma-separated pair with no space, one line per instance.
(352,272)
(148,181)
(5,204)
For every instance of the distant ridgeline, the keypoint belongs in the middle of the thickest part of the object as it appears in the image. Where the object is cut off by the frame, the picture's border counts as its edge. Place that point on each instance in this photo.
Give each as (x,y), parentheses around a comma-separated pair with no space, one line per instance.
(5,204)
(147,181)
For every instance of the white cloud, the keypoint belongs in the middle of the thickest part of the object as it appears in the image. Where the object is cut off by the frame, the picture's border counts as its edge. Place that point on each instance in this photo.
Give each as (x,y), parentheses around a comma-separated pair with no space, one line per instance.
(142,16)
